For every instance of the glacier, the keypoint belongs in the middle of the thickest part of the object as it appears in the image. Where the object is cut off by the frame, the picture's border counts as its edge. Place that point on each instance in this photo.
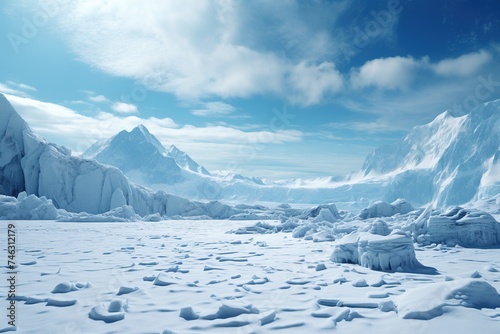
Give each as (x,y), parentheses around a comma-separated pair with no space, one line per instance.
(30,164)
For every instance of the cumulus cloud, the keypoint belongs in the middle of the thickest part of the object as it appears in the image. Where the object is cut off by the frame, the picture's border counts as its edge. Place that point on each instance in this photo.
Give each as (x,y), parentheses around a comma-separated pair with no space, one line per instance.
(464,65)
(98,99)
(387,73)
(124,108)
(310,84)
(206,49)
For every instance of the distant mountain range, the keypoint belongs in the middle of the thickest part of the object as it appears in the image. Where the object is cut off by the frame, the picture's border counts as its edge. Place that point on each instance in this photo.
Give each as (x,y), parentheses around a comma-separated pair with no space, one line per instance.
(451,160)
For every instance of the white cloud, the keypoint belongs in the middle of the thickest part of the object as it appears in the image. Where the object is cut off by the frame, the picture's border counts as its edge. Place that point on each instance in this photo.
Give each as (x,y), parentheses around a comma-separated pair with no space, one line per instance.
(98,98)
(387,73)
(10,87)
(379,126)
(22,86)
(66,127)
(464,65)
(310,84)
(8,90)
(124,108)
(214,109)
(206,49)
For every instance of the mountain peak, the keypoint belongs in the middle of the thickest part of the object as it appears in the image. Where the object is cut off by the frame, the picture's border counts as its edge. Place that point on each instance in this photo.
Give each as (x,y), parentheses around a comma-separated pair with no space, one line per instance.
(174,149)
(142,129)
(185,161)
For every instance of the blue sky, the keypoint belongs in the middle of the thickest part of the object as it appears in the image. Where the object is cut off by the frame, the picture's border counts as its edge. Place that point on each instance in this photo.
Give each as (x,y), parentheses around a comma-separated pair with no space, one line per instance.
(277,89)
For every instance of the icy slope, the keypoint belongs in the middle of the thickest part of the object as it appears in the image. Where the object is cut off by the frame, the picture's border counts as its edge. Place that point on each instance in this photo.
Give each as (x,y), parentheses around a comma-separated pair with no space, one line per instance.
(185,161)
(448,161)
(28,163)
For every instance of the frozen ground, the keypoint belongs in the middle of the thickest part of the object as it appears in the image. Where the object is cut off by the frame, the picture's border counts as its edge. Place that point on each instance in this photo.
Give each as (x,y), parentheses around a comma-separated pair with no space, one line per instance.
(192,277)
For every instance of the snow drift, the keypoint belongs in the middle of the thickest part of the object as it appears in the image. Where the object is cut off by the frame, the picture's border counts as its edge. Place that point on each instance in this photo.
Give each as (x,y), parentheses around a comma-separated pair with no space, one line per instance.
(427,301)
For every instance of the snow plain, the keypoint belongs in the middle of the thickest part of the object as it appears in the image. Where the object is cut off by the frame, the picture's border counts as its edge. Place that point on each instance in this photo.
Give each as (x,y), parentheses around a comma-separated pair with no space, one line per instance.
(191,276)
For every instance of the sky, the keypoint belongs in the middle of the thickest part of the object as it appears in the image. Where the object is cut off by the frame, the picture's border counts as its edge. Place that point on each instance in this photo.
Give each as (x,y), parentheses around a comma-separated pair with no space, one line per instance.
(275,89)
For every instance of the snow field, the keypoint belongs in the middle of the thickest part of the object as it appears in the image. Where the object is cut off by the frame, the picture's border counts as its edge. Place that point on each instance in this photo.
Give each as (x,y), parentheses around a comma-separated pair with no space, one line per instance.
(192,276)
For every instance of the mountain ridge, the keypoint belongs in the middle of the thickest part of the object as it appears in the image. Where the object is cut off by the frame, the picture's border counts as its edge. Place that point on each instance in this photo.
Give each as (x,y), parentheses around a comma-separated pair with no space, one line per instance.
(449,161)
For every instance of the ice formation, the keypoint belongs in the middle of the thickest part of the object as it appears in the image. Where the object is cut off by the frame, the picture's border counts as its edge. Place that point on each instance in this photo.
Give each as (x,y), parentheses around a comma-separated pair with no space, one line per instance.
(393,252)
(383,209)
(26,207)
(459,226)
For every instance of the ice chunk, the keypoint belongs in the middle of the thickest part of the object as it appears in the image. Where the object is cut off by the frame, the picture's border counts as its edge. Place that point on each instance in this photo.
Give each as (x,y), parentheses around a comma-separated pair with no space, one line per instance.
(386,253)
(383,209)
(187,313)
(464,227)
(26,207)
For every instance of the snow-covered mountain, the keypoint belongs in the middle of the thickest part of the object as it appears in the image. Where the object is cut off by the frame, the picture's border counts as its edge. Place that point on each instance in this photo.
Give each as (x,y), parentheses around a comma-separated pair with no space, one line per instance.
(142,157)
(30,164)
(450,160)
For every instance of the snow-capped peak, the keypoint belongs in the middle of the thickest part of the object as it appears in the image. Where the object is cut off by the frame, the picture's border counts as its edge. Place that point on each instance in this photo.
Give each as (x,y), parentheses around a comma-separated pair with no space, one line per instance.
(185,161)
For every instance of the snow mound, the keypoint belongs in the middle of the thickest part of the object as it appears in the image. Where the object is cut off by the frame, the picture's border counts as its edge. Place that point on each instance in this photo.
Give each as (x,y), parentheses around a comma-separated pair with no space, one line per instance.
(427,301)
(386,253)
(464,227)
(383,209)
(114,312)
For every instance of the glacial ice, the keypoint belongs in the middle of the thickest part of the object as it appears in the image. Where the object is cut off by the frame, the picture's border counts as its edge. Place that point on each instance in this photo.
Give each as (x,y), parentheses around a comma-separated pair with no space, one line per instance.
(394,252)
(29,163)
(459,226)
(26,207)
